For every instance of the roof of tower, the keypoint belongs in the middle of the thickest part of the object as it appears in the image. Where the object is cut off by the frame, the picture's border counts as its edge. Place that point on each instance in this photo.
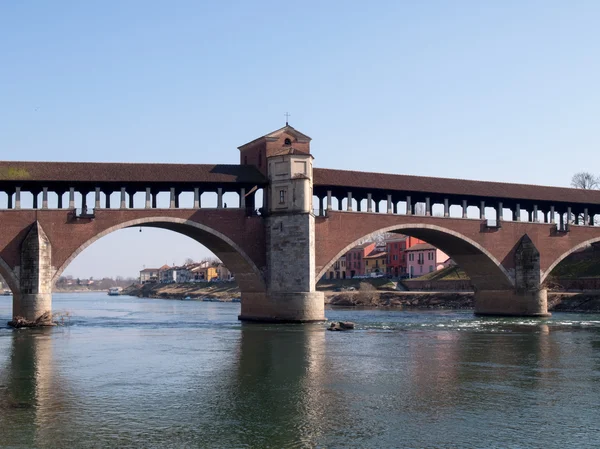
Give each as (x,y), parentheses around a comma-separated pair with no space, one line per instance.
(287,129)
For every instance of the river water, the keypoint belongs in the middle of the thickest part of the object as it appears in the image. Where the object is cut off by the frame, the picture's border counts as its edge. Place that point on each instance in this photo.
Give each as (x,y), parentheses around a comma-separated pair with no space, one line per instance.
(130,372)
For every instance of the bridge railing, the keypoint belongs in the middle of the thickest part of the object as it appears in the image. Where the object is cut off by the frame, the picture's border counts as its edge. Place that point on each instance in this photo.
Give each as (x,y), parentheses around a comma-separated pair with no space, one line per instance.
(249,199)
(492,212)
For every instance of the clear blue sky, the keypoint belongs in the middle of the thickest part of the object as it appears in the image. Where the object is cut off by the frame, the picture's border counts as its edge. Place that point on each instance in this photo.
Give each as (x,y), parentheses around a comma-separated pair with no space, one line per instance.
(504,91)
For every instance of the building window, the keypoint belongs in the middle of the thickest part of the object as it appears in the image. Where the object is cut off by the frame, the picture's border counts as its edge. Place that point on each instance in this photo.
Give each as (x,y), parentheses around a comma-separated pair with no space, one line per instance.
(287,142)
(282,197)
(430,268)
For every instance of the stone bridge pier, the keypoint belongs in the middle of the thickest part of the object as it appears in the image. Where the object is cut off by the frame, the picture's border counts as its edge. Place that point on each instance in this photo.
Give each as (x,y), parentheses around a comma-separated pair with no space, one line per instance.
(32,300)
(527,297)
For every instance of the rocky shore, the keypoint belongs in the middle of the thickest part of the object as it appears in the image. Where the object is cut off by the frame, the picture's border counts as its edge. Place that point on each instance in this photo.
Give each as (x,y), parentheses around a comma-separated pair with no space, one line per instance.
(222,291)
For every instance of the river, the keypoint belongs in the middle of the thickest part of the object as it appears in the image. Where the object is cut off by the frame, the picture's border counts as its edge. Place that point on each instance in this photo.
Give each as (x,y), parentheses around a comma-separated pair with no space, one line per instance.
(132,372)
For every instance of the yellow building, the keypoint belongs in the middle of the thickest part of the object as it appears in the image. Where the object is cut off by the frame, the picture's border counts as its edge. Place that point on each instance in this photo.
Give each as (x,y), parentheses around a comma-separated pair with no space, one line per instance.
(375,262)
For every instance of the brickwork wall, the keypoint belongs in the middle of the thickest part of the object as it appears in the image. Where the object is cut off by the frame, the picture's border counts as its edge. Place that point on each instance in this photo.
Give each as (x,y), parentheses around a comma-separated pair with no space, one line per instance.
(68,236)
(290,251)
(340,230)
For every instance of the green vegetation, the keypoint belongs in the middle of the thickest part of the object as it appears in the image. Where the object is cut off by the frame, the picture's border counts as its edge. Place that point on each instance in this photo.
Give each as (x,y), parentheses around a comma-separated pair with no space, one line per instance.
(452,273)
(573,269)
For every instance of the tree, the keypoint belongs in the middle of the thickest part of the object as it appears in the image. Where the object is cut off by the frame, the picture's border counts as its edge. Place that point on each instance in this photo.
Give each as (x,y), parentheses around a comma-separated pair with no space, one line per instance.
(585,180)
(188,261)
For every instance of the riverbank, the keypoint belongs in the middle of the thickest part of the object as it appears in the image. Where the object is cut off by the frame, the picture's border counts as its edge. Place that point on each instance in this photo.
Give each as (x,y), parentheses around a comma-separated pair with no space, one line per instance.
(218,291)
(586,302)
(366,295)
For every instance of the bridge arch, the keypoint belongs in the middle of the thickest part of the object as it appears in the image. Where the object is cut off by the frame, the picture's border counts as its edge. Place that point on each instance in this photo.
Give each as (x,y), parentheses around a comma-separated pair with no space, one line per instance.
(9,276)
(485,271)
(248,275)
(566,254)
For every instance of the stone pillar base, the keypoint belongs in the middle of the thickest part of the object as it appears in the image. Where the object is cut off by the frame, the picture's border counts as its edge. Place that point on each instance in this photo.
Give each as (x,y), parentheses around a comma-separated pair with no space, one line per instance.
(32,306)
(277,307)
(512,303)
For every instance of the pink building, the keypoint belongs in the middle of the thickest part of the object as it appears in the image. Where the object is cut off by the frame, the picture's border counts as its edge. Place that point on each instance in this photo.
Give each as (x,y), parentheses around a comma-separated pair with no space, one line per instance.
(424,258)
(355,265)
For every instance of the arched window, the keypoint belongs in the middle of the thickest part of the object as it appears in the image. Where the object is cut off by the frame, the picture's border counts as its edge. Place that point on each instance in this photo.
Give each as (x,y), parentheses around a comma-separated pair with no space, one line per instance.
(287,142)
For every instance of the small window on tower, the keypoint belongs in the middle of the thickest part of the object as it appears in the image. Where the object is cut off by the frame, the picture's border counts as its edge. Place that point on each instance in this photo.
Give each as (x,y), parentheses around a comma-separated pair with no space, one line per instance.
(287,142)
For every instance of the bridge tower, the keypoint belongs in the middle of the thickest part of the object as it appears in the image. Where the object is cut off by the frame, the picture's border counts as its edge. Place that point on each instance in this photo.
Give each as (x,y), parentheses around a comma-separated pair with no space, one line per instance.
(284,157)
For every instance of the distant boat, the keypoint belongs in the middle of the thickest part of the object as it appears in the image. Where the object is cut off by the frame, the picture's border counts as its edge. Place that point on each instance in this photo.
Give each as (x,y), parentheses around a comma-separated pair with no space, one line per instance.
(115,291)
(7,292)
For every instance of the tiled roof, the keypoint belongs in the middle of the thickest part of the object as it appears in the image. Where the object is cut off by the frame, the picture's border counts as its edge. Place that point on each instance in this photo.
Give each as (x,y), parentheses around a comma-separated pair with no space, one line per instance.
(128,172)
(148,270)
(421,247)
(323,177)
(376,255)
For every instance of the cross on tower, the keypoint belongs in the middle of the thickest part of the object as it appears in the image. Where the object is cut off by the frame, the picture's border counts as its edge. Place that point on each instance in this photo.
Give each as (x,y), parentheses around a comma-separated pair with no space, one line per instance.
(287,116)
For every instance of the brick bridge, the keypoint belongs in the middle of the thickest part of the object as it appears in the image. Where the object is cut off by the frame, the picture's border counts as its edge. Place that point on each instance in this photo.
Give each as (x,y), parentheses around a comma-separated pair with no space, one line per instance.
(279,224)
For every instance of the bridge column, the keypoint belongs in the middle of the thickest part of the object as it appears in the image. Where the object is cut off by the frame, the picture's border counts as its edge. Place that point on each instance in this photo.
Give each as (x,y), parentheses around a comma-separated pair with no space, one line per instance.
(71,198)
(197,197)
(390,209)
(219,198)
(329,206)
(586,220)
(499,213)
(552,216)
(17,197)
(349,204)
(527,297)
(518,212)
(35,198)
(9,204)
(535,213)
(464,208)
(369,202)
(446,208)
(84,202)
(107,196)
(34,297)
(123,204)
(321,206)
(172,198)
(131,197)
(482,210)
(428,206)
(148,204)
(408,205)
(45,198)
(97,198)
(59,204)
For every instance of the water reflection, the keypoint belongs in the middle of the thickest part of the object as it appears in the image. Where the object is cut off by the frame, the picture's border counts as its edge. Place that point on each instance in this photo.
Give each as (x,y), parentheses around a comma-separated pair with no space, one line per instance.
(164,374)
(273,399)
(32,405)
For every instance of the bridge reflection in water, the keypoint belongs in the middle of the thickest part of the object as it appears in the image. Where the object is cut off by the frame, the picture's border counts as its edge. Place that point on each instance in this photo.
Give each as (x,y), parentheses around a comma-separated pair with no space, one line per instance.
(400,383)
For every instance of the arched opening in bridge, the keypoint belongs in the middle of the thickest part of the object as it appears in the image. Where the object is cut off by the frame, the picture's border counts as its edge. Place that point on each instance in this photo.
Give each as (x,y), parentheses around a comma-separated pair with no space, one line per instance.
(576,269)
(136,250)
(484,271)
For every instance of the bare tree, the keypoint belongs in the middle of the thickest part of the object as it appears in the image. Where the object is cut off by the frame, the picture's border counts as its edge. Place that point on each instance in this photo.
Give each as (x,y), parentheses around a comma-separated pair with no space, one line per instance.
(188,261)
(585,180)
